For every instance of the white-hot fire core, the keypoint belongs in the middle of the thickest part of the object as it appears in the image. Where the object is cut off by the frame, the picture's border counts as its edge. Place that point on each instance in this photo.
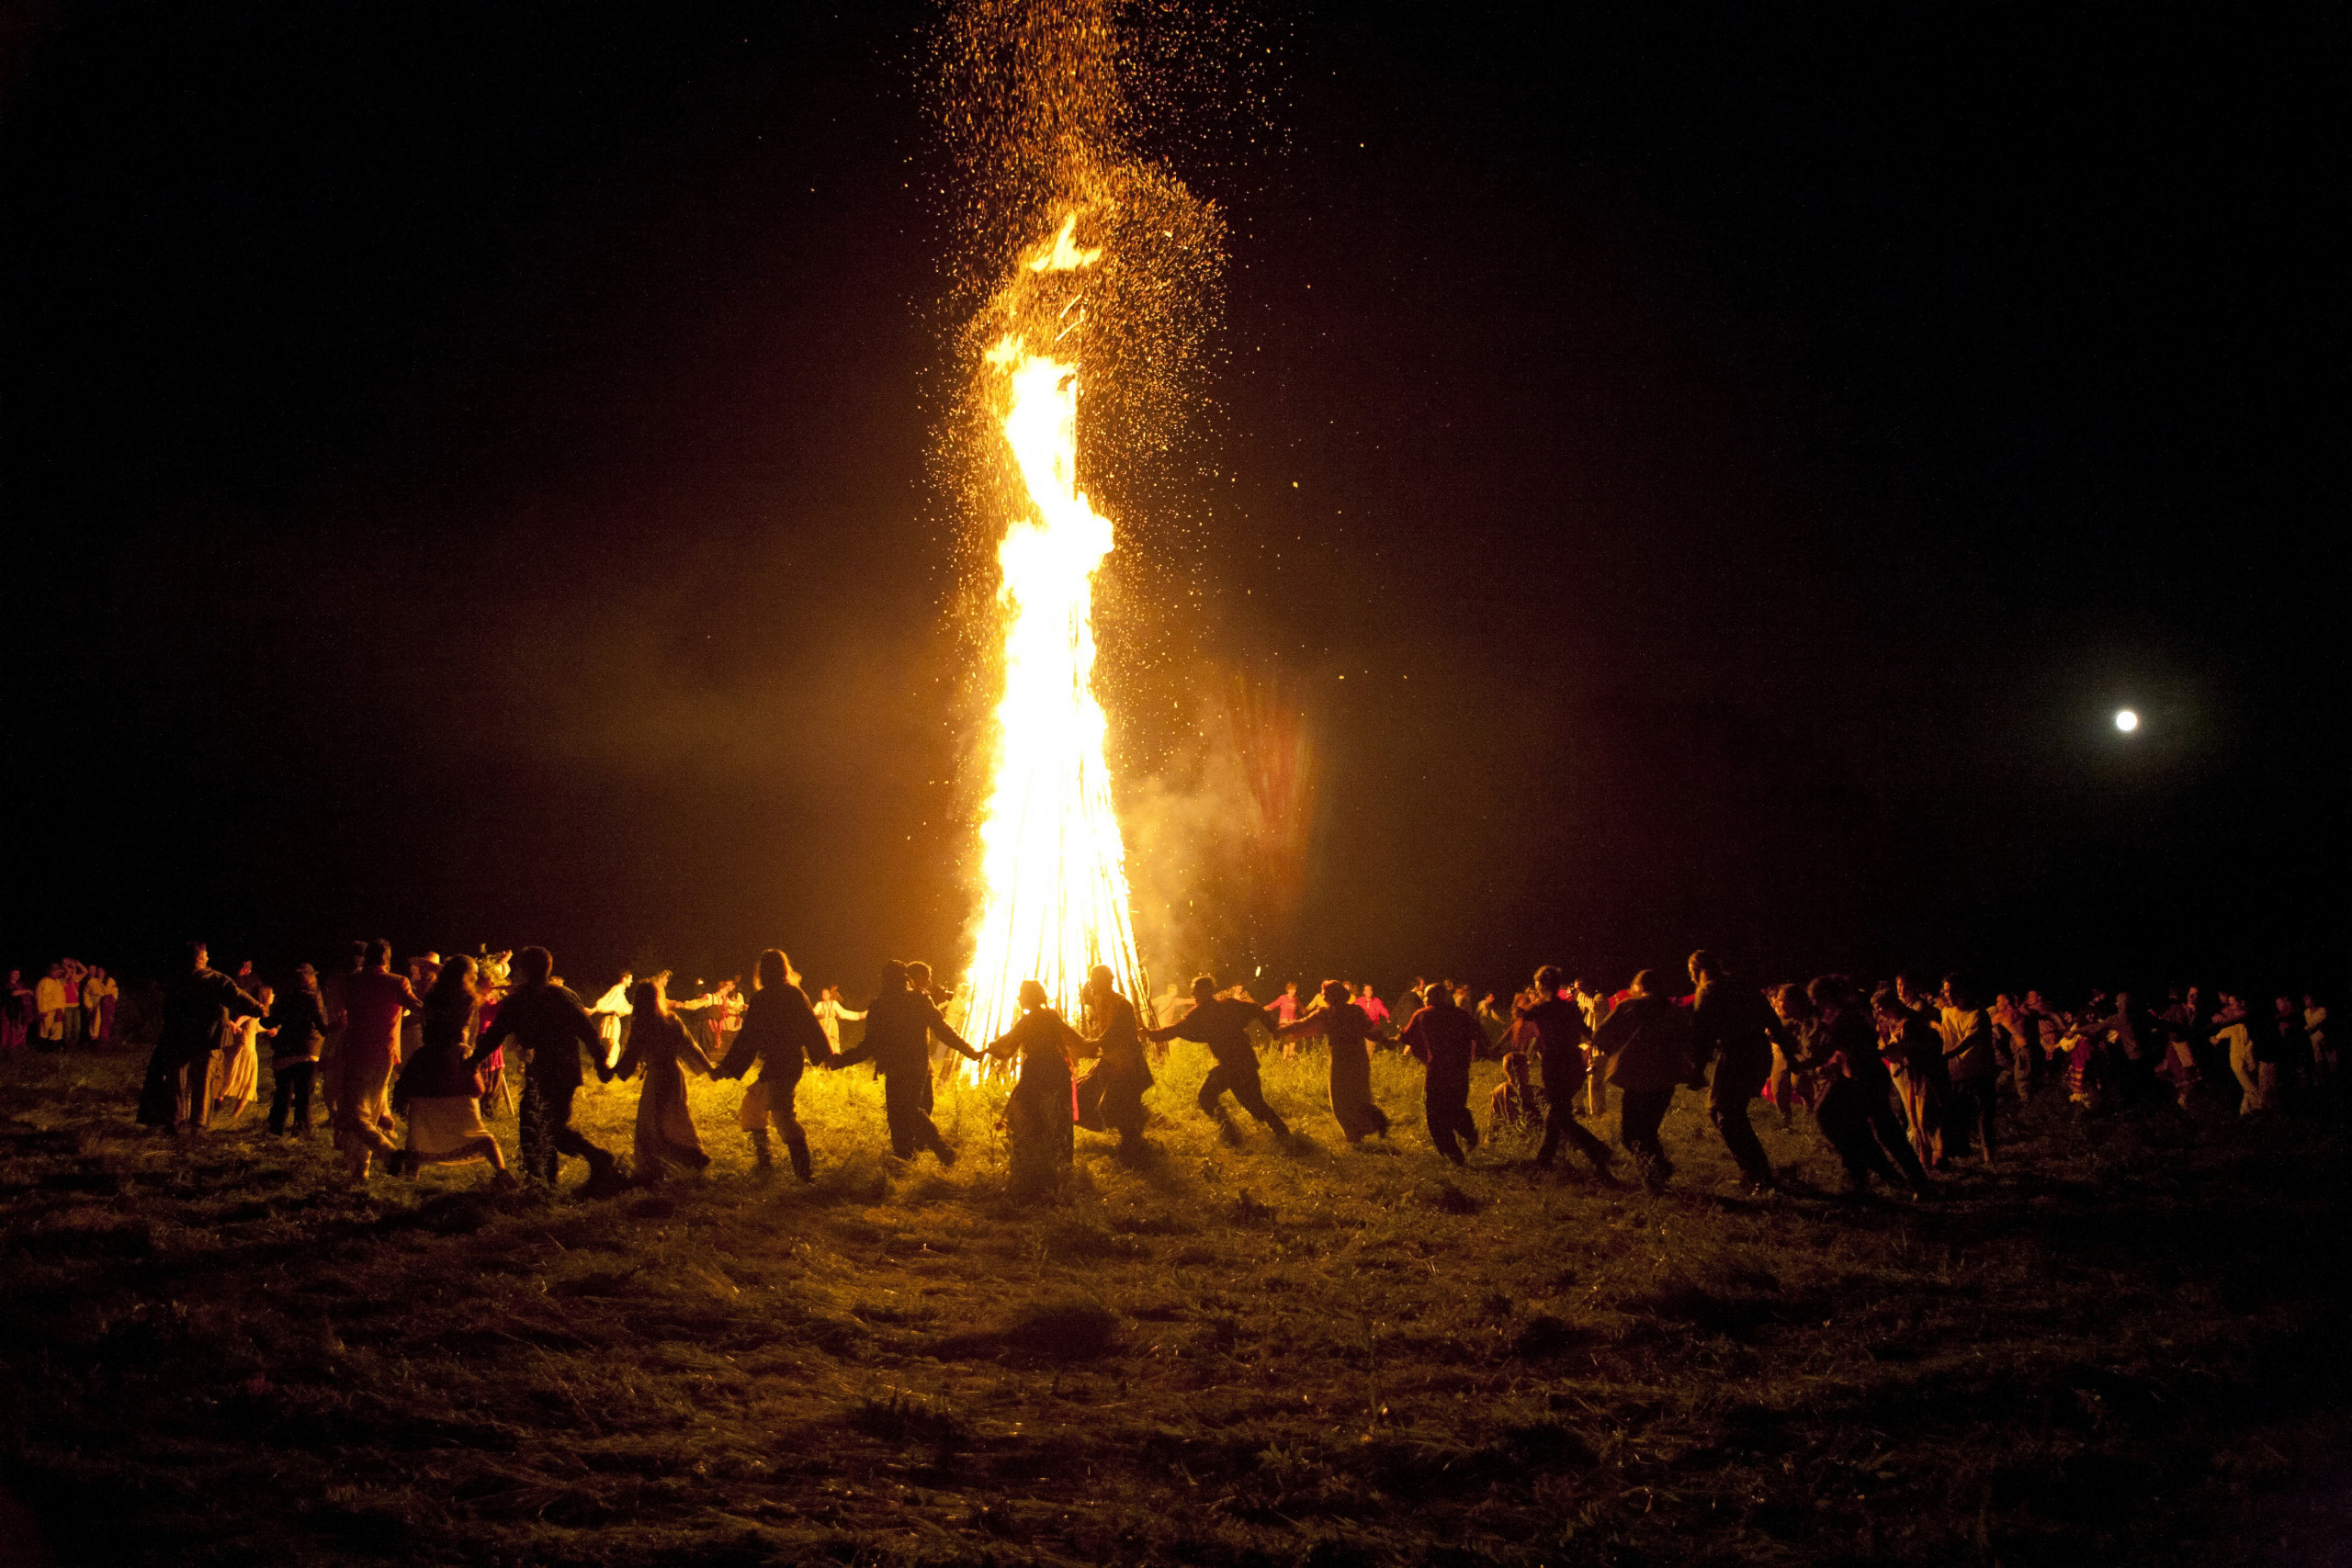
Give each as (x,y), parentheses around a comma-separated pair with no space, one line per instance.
(1053,869)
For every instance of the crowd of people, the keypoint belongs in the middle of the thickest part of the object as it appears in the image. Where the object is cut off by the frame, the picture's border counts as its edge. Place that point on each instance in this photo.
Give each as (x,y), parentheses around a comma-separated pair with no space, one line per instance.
(1903,1079)
(71,1002)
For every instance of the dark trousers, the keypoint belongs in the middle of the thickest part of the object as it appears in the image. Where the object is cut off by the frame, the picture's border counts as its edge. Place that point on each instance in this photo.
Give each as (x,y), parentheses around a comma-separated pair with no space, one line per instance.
(1727,1108)
(906,1105)
(1868,1133)
(546,1134)
(1248,1093)
(1970,1109)
(1445,1101)
(1844,1120)
(1639,1113)
(291,1094)
(1560,1125)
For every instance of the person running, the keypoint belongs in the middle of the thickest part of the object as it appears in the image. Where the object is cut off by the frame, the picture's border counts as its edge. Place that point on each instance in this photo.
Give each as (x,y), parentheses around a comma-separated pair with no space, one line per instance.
(1854,1108)
(438,1090)
(183,1073)
(1348,1033)
(1110,1097)
(1560,1035)
(1041,1110)
(781,1035)
(1222,1023)
(1647,1043)
(1734,1028)
(1915,1050)
(551,1028)
(297,1027)
(375,1001)
(659,1045)
(899,1024)
(1446,1038)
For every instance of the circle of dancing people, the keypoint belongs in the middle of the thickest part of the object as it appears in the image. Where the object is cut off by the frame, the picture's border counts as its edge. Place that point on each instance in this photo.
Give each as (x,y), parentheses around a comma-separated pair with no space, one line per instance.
(1902,1079)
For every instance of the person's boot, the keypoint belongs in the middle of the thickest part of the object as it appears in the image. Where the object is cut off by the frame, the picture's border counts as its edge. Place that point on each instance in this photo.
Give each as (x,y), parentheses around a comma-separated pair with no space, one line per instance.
(799,1149)
(762,1156)
(605,1177)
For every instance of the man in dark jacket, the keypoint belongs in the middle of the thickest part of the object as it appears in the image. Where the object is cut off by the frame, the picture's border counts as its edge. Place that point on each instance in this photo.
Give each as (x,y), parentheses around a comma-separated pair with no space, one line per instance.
(1560,1034)
(552,1027)
(1222,1023)
(197,1007)
(1734,1028)
(1446,1037)
(1646,1040)
(899,1026)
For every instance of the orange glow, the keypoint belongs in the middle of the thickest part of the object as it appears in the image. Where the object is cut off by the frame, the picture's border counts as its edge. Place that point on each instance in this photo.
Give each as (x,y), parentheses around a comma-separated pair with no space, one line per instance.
(1053,869)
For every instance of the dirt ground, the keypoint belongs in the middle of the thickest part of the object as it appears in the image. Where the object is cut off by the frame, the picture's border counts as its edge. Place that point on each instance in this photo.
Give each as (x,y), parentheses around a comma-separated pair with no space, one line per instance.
(2125,1344)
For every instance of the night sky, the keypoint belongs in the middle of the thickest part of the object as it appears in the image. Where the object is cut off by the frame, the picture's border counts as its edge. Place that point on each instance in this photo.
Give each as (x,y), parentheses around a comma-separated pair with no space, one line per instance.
(468,473)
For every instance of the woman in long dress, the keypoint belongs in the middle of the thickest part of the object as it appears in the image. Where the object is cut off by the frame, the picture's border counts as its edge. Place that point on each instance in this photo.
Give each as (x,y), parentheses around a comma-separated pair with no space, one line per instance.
(437,1087)
(240,1075)
(1348,1032)
(1042,1108)
(1110,1097)
(659,1045)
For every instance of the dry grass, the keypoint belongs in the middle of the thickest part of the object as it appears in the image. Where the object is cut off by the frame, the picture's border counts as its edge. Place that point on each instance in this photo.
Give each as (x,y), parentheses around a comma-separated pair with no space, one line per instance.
(2128,1346)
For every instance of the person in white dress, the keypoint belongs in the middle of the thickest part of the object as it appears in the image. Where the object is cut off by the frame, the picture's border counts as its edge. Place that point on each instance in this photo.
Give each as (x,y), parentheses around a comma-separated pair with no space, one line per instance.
(240,1075)
(611,1013)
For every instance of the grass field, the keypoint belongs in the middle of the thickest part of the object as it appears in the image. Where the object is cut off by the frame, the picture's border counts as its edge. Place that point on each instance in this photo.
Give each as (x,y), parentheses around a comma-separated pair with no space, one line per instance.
(2129,1346)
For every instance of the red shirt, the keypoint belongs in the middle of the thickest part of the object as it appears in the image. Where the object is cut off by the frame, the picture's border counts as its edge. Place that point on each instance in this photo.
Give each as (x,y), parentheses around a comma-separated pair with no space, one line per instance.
(373,1001)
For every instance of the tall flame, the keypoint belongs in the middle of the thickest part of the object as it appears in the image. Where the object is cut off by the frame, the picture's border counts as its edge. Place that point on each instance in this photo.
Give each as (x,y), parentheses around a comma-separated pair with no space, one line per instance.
(1053,868)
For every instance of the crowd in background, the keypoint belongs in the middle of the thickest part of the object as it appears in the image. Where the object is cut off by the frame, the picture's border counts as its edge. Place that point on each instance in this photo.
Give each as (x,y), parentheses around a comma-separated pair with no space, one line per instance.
(1903,1079)
(71,1002)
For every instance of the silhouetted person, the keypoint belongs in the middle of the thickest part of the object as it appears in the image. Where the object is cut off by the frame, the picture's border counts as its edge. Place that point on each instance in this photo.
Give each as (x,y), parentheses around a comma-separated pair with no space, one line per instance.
(1222,1023)
(1560,1037)
(781,1035)
(659,1045)
(298,1028)
(374,1001)
(1854,1108)
(438,1090)
(1348,1033)
(551,1028)
(899,1026)
(1110,1097)
(1446,1038)
(1040,1112)
(1647,1042)
(1973,1063)
(198,1008)
(1735,1029)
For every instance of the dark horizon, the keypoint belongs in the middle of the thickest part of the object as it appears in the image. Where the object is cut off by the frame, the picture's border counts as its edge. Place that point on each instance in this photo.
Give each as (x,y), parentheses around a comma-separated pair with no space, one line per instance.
(1698,481)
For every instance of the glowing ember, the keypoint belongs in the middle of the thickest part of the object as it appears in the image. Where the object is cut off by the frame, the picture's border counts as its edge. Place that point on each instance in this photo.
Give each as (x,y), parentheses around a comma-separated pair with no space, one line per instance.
(1053,870)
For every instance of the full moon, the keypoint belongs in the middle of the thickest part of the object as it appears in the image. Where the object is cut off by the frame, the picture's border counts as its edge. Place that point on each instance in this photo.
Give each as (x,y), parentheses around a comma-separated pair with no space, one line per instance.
(2126,720)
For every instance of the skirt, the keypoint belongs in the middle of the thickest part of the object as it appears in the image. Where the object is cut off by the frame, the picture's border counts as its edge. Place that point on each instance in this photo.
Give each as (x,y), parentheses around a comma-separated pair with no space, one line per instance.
(439,1127)
(239,1080)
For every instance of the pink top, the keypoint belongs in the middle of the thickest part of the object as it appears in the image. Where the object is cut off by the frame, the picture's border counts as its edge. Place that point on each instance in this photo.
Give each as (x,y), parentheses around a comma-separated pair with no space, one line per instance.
(373,1001)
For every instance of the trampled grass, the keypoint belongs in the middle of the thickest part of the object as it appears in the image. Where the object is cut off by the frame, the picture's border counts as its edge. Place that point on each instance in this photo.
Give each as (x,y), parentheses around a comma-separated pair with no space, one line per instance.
(2127,1345)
